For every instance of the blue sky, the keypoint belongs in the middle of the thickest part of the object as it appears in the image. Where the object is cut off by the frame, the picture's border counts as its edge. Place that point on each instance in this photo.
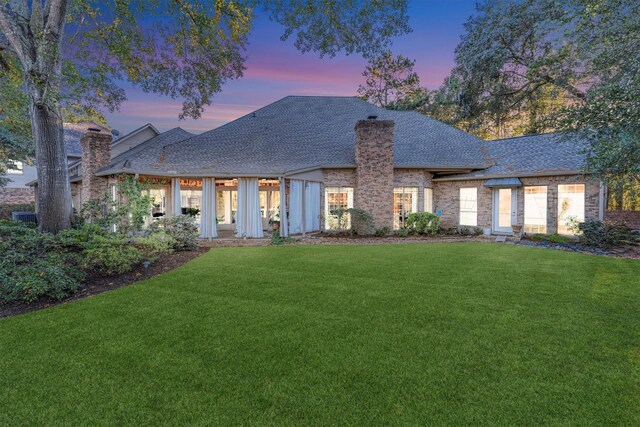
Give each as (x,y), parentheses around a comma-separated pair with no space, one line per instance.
(276,69)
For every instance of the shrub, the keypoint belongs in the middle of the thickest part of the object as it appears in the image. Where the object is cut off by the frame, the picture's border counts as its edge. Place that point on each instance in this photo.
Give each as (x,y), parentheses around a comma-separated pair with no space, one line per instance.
(111,256)
(32,265)
(553,238)
(362,222)
(464,231)
(603,234)
(402,232)
(182,229)
(154,245)
(478,231)
(423,223)
(382,231)
(277,239)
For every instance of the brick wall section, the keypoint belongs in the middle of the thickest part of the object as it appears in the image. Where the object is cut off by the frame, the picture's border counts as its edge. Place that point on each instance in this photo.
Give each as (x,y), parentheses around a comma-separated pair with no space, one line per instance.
(17,196)
(446,195)
(374,170)
(414,178)
(630,218)
(96,153)
(446,198)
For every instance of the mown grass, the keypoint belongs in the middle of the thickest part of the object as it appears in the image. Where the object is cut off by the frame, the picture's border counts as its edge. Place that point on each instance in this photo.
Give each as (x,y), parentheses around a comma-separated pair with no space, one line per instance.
(455,334)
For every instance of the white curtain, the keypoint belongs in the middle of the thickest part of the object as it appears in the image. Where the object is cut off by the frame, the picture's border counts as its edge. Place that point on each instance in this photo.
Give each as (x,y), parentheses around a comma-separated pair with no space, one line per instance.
(295,206)
(176,199)
(312,206)
(208,228)
(284,223)
(248,218)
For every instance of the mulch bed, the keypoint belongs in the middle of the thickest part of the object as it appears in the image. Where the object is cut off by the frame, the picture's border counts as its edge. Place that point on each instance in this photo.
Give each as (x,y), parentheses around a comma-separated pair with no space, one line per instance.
(629,251)
(97,284)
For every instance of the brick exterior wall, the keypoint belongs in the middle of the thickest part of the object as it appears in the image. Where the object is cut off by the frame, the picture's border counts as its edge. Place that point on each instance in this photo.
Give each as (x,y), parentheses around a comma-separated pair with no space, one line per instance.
(630,218)
(446,195)
(374,170)
(96,153)
(414,178)
(17,196)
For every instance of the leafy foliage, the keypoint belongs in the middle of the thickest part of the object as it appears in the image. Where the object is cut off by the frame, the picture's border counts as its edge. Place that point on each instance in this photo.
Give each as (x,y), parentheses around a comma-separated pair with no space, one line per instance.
(603,234)
(33,265)
(423,223)
(182,229)
(362,222)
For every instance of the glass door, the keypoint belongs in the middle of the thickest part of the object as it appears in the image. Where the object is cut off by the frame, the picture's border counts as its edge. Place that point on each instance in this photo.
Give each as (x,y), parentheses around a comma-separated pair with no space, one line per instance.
(504,209)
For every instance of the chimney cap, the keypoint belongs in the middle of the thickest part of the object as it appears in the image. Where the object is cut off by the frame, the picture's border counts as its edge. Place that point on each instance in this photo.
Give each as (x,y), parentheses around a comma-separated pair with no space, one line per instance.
(94,130)
(372,117)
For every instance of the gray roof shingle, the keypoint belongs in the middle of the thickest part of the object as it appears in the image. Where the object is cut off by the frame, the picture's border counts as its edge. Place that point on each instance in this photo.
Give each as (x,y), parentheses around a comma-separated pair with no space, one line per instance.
(543,154)
(300,132)
(72,132)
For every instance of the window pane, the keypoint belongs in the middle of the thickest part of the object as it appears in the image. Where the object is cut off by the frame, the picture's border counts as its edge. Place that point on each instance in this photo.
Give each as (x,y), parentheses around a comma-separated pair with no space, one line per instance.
(335,200)
(535,209)
(469,206)
(570,206)
(428,200)
(405,201)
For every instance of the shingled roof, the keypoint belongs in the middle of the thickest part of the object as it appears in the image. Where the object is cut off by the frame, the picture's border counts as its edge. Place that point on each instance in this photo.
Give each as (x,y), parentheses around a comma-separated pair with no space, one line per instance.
(302,132)
(543,154)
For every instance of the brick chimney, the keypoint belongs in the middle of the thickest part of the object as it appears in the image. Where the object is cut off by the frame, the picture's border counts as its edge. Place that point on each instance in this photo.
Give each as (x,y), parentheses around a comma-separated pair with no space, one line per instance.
(374,169)
(96,154)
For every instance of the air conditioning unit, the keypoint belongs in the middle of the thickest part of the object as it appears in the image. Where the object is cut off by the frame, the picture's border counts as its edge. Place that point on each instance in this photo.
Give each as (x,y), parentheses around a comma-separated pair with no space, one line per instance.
(24,217)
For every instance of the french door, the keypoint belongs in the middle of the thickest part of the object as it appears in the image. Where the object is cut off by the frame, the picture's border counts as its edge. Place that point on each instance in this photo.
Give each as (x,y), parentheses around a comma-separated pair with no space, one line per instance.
(505,205)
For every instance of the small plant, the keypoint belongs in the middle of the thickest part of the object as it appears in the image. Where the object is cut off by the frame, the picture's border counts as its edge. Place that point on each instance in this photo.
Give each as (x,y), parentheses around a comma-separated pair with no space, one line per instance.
(552,238)
(464,231)
(402,232)
(382,231)
(192,212)
(478,231)
(278,240)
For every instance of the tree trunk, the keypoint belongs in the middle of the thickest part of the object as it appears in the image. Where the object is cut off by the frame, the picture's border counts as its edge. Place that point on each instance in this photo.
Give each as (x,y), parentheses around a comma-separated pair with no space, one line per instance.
(54,190)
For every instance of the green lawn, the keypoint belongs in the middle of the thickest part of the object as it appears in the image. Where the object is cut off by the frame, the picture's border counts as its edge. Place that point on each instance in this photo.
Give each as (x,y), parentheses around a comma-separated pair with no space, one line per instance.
(457,334)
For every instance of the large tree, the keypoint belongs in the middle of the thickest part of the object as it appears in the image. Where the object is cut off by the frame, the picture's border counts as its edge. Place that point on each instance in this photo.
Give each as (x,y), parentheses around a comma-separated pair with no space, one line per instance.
(390,81)
(72,55)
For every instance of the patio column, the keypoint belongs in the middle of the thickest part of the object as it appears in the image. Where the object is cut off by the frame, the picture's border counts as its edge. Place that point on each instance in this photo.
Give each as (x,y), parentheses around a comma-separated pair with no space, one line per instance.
(176,199)
(284,224)
(208,227)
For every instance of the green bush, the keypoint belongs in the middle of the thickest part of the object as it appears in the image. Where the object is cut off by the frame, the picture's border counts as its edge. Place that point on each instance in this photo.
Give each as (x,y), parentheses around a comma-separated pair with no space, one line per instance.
(154,245)
(33,265)
(423,223)
(402,232)
(603,234)
(382,231)
(182,229)
(362,222)
(277,239)
(111,256)
(553,238)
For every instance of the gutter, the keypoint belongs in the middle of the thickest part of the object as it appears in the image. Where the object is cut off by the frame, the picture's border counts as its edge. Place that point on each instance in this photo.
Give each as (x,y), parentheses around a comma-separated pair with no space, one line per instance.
(512,175)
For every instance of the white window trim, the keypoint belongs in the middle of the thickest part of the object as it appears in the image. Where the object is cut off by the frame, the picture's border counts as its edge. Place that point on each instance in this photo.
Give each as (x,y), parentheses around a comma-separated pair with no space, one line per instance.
(428,200)
(414,191)
(581,217)
(536,228)
(336,190)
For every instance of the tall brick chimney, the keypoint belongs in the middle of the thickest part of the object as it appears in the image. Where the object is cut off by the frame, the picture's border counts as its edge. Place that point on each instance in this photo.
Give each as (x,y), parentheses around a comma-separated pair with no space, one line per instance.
(374,169)
(96,153)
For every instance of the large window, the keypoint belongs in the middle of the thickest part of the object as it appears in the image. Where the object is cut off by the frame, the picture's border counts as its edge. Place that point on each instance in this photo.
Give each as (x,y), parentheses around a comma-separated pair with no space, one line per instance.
(469,206)
(570,206)
(428,200)
(337,199)
(405,201)
(535,209)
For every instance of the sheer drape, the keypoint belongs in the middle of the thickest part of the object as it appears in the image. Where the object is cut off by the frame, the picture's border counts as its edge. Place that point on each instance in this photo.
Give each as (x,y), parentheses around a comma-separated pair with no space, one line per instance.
(312,206)
(295,206)
(176,199)
(248,218)
(208,228)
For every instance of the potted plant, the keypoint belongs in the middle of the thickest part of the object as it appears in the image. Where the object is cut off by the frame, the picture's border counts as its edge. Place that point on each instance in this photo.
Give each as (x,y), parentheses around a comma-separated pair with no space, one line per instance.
(517,230)
(275,222)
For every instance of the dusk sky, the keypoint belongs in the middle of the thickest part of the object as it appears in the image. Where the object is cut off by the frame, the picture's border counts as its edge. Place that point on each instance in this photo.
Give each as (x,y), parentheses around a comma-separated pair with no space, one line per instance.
(276,69)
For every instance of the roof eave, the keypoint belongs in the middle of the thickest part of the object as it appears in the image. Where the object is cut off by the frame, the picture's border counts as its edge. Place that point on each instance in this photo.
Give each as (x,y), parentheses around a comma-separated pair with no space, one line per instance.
(565,172)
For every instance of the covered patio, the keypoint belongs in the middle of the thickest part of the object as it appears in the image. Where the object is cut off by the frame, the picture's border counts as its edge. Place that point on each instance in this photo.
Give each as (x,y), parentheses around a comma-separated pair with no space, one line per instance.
(243,207)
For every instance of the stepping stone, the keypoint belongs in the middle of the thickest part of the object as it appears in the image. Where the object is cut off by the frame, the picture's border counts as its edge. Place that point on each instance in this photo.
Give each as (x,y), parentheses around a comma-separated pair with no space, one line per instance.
(501,239)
